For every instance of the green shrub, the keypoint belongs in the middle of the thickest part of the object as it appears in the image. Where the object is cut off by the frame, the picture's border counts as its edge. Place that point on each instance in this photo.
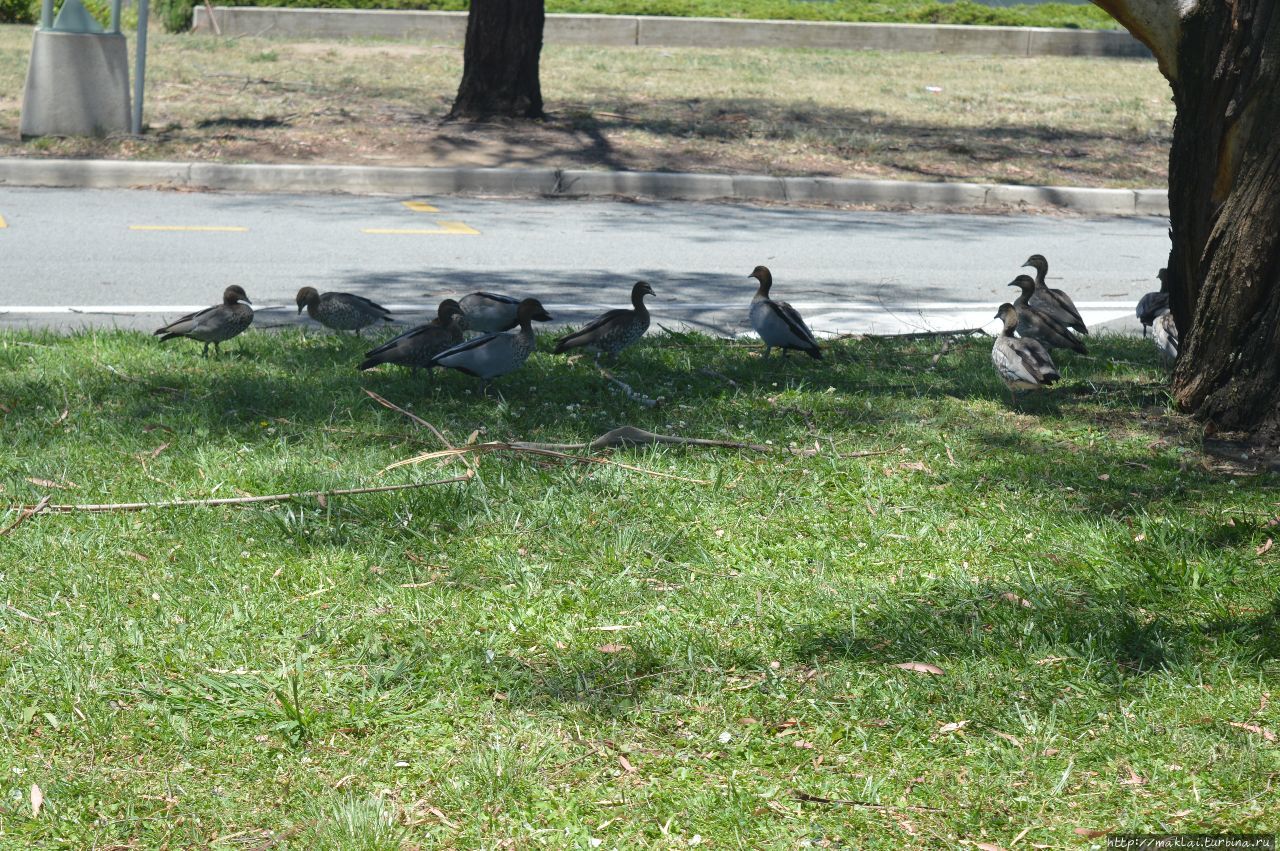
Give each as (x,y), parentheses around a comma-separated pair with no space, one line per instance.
(18,12)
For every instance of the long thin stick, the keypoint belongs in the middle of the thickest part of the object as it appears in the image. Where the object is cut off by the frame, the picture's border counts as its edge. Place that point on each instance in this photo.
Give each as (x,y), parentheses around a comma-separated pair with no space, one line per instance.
(417,419)
(244,500)
(818,799)
(484,448)
(26,514)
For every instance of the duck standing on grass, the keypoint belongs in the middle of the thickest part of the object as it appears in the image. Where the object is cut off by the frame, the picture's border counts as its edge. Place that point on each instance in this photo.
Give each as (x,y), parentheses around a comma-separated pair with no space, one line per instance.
(613,331)
(1055,303)
(213,324)
(341,311)
(778,323)
(1152,305)
(1021,362)
(1041,326)
(494,355)
(489,313)
(415,348)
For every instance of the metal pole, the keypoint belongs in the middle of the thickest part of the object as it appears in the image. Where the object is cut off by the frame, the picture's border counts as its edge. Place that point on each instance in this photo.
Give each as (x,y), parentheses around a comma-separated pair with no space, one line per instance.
(139,66)
(115,16)
(46,15)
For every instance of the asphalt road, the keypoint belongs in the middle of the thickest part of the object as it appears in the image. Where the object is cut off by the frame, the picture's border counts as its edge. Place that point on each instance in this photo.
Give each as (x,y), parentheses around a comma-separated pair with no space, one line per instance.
(137,258)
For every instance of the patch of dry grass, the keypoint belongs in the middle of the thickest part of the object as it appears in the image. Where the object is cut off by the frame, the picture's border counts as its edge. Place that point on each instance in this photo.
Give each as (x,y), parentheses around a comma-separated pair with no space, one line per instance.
(1090,122)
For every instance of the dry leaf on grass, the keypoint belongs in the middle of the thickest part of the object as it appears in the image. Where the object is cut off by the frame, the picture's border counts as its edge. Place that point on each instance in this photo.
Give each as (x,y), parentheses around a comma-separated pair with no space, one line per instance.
(1134,778)
(37,800)
(1014,598)
(1265,548)
(1091,833)
(920,668)
(1254,728)
(1009,737)
(626,765)
(953,727)
(988,846)
(616,628)
(611,648)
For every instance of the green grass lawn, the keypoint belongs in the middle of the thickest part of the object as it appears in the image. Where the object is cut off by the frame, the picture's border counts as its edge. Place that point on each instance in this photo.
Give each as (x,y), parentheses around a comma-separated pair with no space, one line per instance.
(438,668)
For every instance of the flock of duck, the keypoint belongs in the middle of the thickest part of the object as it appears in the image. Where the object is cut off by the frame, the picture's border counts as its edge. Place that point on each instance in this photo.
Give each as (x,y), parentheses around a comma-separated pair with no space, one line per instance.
(1046,319)
(1040,320)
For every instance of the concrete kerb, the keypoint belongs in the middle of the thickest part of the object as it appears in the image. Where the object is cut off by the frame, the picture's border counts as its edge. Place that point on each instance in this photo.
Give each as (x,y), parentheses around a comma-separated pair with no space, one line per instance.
(658,31)
(576,183)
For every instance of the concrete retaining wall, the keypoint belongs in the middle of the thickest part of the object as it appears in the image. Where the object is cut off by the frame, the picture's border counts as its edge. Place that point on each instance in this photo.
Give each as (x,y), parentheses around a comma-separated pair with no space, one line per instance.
(576,183)
(633,31)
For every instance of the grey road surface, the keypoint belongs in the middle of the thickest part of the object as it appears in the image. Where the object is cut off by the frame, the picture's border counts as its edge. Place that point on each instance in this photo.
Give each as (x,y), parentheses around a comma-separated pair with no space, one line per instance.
(136,258)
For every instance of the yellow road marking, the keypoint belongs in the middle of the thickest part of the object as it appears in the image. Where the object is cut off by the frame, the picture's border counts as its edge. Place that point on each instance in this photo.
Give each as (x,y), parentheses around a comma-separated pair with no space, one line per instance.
(420,207)
(3,223)
(450,228)
(199,228)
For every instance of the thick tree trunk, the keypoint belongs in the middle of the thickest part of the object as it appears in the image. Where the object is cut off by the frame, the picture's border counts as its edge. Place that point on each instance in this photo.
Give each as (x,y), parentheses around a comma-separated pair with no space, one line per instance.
(500,60)
(1224,205)
(1222,58)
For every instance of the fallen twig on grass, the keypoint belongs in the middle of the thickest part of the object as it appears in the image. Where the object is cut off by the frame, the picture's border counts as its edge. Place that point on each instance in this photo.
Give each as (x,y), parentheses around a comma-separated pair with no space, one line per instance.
(26,514)
(533,449)
(626,389)
(238,500)
(12,608)
(818,799)
(632,436)
(417,419)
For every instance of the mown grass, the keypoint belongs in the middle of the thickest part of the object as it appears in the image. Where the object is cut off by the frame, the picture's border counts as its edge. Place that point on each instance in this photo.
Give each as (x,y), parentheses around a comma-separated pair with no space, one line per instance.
(1044,121)
(428,669)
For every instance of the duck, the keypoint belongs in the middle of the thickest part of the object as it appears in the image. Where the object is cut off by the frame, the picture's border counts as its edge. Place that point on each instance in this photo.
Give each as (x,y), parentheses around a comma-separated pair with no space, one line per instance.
(1041,326)
(495,355)
(1055,303)
(778,323)
(416,347)
(1165,333)
(1152,305)
(1021,362)
(489,313)
(614,330)
(215,324)
(341,311)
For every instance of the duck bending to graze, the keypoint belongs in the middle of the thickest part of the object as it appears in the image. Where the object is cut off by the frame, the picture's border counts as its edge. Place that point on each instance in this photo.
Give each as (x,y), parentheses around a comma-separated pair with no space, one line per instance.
(1041,326)
(613,331)
(1021,362)
(1152,305)
(778,323)
(215,324)
(415,348)
(341,311)
(1055,303)
(489,313)
(494,355)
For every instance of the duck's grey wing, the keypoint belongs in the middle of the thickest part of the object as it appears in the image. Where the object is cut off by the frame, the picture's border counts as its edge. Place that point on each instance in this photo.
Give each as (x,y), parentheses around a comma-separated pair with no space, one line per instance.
(792,317)
(480,357)
(397,341)
(1069,307)
(587,332)
(367,304)
(1149,307)
(187,323)
(1035,357)
(1165,334)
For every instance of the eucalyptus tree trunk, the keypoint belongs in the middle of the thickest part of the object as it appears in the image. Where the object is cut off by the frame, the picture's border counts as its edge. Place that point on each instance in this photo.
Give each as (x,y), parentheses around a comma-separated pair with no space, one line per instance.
(1222,59)
(500,60)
